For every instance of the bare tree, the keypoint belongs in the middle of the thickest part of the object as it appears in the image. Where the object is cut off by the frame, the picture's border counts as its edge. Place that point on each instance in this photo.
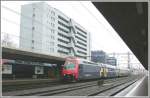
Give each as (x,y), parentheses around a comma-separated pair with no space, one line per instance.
(6,41)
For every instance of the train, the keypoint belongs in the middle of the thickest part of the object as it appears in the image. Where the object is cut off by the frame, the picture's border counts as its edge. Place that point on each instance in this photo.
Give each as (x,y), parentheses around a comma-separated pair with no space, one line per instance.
(75,69)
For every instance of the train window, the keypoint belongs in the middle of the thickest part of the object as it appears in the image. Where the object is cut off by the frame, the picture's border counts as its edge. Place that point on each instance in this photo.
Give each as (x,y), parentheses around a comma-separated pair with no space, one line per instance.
(69,66)
(69,62)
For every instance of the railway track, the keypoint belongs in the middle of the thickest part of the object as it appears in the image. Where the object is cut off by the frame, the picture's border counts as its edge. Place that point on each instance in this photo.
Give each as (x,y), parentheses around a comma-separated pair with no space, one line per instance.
(112,90)
(16,85)
(73,89)
(27,85)
(92,89)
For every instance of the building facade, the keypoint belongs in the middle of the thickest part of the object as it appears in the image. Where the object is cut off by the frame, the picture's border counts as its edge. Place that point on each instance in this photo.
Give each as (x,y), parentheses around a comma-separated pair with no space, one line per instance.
(47,30)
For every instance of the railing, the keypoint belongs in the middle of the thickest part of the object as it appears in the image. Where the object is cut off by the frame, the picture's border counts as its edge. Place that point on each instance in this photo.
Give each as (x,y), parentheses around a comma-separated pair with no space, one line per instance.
(72,35)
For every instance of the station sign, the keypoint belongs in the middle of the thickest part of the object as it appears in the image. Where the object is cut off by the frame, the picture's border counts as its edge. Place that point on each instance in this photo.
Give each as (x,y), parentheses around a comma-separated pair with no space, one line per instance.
(39,70)
(6,69)
(27,62)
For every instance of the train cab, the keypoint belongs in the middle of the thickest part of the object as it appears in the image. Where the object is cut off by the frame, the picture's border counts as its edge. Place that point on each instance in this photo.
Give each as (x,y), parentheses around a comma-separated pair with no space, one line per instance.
(70,69)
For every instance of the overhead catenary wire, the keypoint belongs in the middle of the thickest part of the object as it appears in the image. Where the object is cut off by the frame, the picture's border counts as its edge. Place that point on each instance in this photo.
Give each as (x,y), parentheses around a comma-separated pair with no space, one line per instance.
(30,18)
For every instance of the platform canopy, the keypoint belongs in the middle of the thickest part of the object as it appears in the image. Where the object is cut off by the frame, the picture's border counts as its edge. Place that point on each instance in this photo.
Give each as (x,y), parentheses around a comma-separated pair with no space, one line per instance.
(130,20)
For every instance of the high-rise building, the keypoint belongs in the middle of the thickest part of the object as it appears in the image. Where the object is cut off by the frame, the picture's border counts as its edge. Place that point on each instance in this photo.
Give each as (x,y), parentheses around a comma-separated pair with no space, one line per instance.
(47,30)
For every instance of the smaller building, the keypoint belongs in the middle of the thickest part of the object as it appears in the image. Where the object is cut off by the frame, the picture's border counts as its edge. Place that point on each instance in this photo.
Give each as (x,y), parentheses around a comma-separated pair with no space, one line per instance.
(99,56)
(111,61)
(102,57)
(14,69)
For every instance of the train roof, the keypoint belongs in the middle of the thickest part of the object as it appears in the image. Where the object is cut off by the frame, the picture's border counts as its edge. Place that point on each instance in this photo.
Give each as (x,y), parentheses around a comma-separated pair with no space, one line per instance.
(80,60)
(108,66)
(84,61)
(87,62)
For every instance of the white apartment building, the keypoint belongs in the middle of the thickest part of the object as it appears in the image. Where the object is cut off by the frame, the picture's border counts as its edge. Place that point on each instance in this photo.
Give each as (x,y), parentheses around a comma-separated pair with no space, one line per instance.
(45,29)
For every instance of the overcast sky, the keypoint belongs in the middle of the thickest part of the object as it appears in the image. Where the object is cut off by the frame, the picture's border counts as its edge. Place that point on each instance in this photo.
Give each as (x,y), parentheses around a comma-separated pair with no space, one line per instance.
(103,36)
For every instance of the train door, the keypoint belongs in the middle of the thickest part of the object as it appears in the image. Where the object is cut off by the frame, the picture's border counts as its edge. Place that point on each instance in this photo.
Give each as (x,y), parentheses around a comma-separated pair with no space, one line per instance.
(101,72)
(80,71)
(105,72)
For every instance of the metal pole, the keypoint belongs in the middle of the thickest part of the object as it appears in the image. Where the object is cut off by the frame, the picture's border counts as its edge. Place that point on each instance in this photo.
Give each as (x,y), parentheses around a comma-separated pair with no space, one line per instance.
(128,60)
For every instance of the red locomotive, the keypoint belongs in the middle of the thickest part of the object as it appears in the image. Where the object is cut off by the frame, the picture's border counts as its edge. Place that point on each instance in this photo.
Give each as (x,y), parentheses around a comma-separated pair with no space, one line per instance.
(70,69)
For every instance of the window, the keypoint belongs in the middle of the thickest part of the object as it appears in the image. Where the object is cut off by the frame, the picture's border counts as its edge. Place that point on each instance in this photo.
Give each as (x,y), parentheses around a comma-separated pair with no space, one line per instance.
(81,52)
(53,13)
(80,30)
(33,15)
(52,31)
(71,66)
(6,69)
(61,29)
(33,28)
(80,38)
(81,43)
(62,35)
(62,24)
(32,41)
(52,18)
(52,49)
(62,41)
(50,43)
(53,25)
(60,17)
(33,9)
(52,37)
(81,35)
(80,66)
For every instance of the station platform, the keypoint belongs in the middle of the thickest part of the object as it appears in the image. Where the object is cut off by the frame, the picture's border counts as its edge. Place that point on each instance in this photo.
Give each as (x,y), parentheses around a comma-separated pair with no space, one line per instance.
(27,81)
(139,88)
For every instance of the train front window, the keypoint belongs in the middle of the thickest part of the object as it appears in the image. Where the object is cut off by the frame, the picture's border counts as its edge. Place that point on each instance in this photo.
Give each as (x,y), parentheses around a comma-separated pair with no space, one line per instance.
(69,65)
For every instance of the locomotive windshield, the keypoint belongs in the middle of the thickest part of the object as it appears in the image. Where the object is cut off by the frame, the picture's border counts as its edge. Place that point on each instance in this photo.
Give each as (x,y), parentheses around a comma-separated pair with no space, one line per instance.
(69,65)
